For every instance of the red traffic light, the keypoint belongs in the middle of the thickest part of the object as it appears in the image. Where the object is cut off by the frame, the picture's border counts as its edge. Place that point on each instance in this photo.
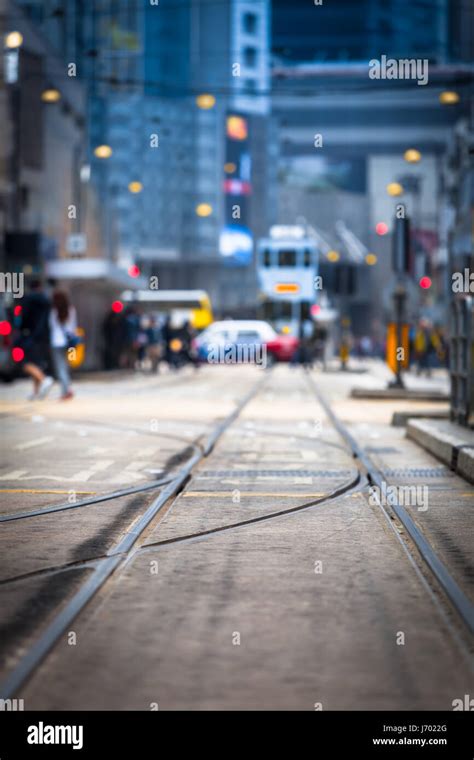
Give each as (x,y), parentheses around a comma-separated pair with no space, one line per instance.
(134,271)
(17,311)
(18,354)
(5,328)
(117,307)
(381,228)
(425,283)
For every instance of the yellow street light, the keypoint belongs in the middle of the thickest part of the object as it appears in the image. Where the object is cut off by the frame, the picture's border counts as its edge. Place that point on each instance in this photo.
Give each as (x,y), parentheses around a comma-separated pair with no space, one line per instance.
(448,98)
(50,95)
(204,209)
(230,167)
(13,40)
(103,151)
(135,186)
(205,101)
(394,188)
(412,155)
(371,259)
(333,256)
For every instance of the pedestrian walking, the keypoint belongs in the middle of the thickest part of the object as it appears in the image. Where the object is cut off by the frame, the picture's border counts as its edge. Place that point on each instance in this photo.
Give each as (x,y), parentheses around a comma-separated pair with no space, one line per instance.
(33,339)
(63,324)
(426,344)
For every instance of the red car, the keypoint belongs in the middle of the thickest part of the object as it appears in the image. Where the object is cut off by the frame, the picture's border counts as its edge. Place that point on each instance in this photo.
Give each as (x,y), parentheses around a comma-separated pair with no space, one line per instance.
(281,348)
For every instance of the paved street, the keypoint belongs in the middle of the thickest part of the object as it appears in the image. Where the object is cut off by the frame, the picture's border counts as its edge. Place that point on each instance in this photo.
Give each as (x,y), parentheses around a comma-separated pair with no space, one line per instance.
(271,580)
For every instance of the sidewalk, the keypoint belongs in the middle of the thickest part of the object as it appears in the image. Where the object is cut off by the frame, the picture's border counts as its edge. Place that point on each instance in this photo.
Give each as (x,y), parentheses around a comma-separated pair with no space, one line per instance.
(447,441)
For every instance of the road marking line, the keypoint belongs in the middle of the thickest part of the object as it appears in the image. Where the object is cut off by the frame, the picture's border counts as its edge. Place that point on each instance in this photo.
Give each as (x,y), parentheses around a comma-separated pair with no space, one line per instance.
(84,475)
(146,452)
(14,475)
(35,442)
(219,494)
(132,472)
(310,455)
(138,464)
(44,490)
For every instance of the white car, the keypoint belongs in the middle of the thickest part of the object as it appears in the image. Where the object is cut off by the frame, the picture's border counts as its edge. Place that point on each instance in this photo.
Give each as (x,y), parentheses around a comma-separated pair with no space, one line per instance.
(222,340)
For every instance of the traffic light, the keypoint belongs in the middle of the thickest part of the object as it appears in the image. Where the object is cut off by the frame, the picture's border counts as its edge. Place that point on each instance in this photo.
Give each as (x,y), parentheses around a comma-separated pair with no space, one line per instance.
(401,258)
(425,283)
(381,228)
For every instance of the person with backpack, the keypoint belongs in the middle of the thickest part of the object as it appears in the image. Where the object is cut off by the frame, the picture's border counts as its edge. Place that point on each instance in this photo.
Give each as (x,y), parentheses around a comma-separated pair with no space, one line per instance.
(62,324)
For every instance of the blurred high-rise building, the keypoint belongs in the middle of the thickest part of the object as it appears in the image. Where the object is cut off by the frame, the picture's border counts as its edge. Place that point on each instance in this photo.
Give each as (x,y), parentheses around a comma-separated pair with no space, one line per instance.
(162,81)
(357,31)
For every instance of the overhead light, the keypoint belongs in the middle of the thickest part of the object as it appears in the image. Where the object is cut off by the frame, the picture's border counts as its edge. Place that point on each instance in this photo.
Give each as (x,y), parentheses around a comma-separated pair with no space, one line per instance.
(448,98)
(205,101)
(204,209)
(103,151)
(394,188)
(135,187)
(371,259)
(13,40)
(50,95)
(333,256)
(412,155)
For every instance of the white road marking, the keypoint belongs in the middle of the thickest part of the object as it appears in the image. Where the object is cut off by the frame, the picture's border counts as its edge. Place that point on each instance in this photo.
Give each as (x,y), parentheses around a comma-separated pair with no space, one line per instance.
(13,475)
(310,455)
(33,443)
(130,473)
(84,475)
(146,452)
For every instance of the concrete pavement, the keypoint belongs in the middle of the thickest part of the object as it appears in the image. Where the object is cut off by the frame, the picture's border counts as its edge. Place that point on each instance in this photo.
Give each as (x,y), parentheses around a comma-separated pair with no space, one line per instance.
(253,588)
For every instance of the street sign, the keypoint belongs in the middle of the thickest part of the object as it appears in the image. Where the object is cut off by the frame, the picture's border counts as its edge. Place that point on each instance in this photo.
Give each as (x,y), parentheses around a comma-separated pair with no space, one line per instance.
(76,244)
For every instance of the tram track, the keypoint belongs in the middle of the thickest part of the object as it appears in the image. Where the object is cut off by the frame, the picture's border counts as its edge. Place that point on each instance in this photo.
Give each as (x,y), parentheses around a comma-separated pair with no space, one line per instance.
(119,555)
(105,566)
(440,573)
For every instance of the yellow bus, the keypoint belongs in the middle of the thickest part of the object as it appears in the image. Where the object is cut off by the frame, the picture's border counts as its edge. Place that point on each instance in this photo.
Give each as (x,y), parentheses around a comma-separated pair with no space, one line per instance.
(191,305)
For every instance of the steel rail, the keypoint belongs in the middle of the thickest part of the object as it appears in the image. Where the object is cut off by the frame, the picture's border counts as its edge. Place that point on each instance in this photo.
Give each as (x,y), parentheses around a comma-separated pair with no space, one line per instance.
(461,603)
(106,566)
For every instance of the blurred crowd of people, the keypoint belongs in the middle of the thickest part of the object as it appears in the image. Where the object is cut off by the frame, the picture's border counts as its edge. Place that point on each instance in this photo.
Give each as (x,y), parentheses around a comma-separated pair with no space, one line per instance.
(45,330)
(143,341)
(45,325)
(428,347)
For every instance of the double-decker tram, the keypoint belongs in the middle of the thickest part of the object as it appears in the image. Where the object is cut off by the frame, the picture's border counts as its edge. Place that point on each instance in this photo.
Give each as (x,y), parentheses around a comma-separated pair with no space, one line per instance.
(287,268)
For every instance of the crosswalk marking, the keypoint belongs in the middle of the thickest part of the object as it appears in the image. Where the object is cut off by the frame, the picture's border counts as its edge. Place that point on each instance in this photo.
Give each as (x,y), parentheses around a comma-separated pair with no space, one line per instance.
(132,472)
(84,475)
(33,443)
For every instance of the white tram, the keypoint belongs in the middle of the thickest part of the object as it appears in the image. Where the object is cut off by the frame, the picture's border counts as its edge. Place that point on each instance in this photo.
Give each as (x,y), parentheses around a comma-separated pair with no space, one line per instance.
(289,285)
